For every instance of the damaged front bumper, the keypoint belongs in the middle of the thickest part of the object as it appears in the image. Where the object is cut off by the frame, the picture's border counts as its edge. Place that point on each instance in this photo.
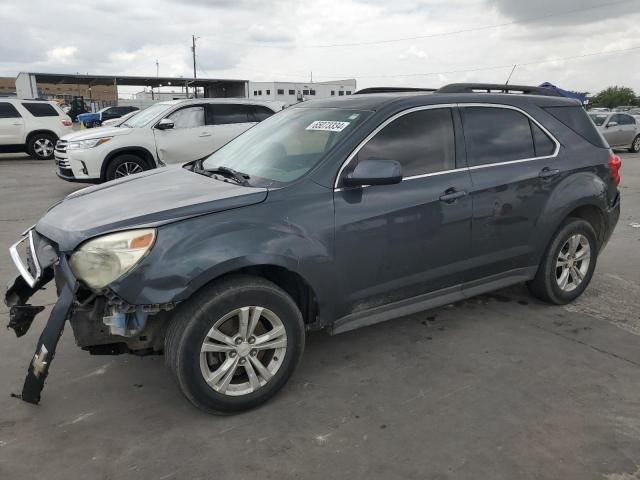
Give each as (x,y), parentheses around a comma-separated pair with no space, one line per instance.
(35,272)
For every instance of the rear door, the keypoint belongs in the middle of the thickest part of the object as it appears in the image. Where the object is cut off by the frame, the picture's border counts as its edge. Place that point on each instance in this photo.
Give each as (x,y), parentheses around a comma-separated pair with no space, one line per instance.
(188,140)
(227,121)
(628,129)
(513,165)
(11,125)
(399,241)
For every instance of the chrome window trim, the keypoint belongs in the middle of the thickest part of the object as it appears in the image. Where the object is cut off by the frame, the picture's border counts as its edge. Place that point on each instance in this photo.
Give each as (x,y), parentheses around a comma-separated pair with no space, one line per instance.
(447,105)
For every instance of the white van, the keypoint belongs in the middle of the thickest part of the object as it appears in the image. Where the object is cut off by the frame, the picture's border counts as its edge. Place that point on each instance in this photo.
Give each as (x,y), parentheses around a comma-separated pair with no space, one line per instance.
(167,132)
(31,126)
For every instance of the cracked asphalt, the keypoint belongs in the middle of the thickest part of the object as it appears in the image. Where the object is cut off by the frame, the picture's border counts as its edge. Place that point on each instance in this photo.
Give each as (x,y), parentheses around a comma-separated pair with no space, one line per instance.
(497,387)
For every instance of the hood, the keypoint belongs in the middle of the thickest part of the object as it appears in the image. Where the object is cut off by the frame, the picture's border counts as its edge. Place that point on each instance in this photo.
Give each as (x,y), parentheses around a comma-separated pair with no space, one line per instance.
(151,198)
(96,133)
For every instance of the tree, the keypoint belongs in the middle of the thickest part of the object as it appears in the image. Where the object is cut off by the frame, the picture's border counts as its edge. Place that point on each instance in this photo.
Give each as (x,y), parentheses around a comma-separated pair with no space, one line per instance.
(614,97)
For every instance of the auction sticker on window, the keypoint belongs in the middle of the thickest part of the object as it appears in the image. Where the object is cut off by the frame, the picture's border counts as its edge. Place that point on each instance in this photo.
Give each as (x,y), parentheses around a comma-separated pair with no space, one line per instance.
(328,126)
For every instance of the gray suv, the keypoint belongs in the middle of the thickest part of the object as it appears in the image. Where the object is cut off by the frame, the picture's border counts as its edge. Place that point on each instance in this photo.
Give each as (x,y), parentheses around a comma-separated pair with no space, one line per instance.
(333,214)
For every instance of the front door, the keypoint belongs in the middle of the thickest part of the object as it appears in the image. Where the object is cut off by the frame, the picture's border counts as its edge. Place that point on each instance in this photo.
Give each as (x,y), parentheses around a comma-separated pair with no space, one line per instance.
(189,139)
(398,241)
(513,168)
(11,125)
(614,134)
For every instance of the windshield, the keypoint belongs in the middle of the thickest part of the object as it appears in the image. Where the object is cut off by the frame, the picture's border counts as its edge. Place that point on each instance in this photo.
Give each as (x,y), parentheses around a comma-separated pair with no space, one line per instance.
(287,145)
(598,119)
(145,116)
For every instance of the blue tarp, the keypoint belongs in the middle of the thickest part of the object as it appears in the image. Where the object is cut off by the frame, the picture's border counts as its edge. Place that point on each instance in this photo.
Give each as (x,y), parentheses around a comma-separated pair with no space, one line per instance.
(566,93)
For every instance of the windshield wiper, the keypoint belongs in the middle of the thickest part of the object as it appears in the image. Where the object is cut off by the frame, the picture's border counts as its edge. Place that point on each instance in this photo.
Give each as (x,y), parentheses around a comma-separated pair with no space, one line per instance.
(239,177)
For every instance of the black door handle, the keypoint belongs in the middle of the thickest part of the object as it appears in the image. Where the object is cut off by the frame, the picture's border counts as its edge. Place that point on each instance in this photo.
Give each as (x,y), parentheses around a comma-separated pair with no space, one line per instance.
(547,172)
(451,195)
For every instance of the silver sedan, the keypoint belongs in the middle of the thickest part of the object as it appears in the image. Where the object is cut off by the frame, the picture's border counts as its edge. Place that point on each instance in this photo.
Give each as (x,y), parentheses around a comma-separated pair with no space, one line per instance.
(619,129)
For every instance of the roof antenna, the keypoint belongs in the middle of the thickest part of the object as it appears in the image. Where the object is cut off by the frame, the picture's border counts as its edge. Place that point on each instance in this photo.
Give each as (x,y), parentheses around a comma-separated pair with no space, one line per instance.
(509,77)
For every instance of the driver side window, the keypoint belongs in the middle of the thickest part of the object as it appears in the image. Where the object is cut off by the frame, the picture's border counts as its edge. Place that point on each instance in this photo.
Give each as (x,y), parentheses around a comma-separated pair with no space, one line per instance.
(190,117)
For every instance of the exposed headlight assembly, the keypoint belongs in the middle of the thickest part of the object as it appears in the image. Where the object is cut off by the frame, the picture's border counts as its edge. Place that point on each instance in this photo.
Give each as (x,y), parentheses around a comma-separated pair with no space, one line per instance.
(84,144)
(102,260)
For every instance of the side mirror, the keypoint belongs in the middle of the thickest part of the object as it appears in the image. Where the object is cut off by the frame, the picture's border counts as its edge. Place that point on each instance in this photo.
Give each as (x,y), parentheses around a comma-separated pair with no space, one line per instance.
(612,124)
(165,124)
(374,172)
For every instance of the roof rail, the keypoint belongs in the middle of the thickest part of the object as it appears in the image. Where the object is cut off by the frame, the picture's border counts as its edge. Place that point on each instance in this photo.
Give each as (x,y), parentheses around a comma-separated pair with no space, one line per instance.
(497,88)
(393,90)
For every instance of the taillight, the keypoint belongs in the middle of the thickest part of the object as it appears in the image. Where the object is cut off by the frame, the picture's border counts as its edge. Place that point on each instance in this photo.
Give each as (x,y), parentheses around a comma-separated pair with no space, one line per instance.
(614,167)
(66,123)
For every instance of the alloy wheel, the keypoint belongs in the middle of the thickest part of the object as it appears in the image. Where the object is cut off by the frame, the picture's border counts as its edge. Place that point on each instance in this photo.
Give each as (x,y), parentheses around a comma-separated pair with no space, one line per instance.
(43,147)
(126,169)
(243,350)
(573,262)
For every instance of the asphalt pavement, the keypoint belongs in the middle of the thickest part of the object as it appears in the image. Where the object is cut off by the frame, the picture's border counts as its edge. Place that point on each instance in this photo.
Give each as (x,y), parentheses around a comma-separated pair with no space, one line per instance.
(497,387)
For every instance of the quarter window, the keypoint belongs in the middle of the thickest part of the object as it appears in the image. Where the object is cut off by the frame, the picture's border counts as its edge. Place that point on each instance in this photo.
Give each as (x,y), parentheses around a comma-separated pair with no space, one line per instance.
(422,142)
(8,111)
(544,146)
(261,113)
(190,117)
(496,135)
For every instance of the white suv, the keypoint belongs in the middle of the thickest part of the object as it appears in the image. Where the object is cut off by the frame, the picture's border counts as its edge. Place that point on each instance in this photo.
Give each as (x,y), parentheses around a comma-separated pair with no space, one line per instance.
(31,126)
(167,132)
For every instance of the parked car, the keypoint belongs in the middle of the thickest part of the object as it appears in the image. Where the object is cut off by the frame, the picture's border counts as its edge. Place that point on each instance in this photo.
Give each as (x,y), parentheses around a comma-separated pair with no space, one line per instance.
(95,119)
(31,126)
(621,130)
(167,132)
(333,214)
(116,122)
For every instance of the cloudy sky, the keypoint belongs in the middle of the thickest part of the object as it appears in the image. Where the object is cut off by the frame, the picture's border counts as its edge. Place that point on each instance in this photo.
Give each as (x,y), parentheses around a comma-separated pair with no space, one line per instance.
(379,42)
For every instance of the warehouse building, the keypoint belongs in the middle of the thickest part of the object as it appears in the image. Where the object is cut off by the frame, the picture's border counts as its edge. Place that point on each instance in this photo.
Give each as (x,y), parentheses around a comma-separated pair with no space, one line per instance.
(293,92)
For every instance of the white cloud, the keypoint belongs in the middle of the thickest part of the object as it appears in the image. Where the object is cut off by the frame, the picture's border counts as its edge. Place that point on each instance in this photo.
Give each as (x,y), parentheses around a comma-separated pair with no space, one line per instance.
(62,55)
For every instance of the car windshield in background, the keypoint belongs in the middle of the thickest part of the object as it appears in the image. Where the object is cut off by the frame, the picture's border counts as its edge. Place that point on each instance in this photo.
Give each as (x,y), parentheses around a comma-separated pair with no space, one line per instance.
(598,119)
(287,145)
(146,115)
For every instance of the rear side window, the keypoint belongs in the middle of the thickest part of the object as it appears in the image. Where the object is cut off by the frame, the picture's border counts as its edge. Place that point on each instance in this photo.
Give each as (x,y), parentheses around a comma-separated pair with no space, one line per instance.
(495,135)
(261,113)
(40,109)
(8,111)
(422,142)
(626,120)
(577,120)
(226,113)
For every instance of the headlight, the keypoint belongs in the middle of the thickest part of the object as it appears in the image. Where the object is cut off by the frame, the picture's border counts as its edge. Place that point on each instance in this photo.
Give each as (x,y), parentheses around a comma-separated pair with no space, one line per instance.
(103,260)
(83,144)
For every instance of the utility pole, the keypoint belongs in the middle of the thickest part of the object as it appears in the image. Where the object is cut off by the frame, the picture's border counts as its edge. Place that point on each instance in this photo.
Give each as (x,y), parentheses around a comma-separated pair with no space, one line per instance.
(157,68)
(193,50)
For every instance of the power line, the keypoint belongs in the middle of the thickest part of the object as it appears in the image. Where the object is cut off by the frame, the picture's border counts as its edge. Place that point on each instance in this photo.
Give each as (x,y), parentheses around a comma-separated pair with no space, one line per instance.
(463,70)
(432,35)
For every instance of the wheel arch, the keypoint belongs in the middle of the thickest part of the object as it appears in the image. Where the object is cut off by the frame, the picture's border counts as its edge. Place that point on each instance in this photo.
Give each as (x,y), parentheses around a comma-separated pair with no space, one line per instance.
(281,271)
(140,152)
(30,135)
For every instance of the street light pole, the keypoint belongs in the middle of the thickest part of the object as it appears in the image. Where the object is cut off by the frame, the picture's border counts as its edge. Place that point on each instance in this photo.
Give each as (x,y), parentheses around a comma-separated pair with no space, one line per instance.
(193,50)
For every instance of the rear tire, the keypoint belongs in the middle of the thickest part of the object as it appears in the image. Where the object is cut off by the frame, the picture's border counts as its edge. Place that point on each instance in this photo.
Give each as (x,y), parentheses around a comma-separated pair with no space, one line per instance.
(635,145)
(207,334)
(125,165)
(42,146)
(568,264)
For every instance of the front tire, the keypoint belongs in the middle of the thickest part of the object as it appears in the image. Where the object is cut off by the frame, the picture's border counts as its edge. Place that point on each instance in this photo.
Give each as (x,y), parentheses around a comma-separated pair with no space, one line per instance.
(41,146)
(235,344)
(124,165)
(568,264)
(635,145)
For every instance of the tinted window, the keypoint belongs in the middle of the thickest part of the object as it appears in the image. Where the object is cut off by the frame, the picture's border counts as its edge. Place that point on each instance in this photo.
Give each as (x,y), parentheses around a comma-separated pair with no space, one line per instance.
(577,120)
(544,146)
(496,135)
(8,111)
(626,120)
(261,113)
(190,117)
(225,113)
(40,109)
(423,142)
